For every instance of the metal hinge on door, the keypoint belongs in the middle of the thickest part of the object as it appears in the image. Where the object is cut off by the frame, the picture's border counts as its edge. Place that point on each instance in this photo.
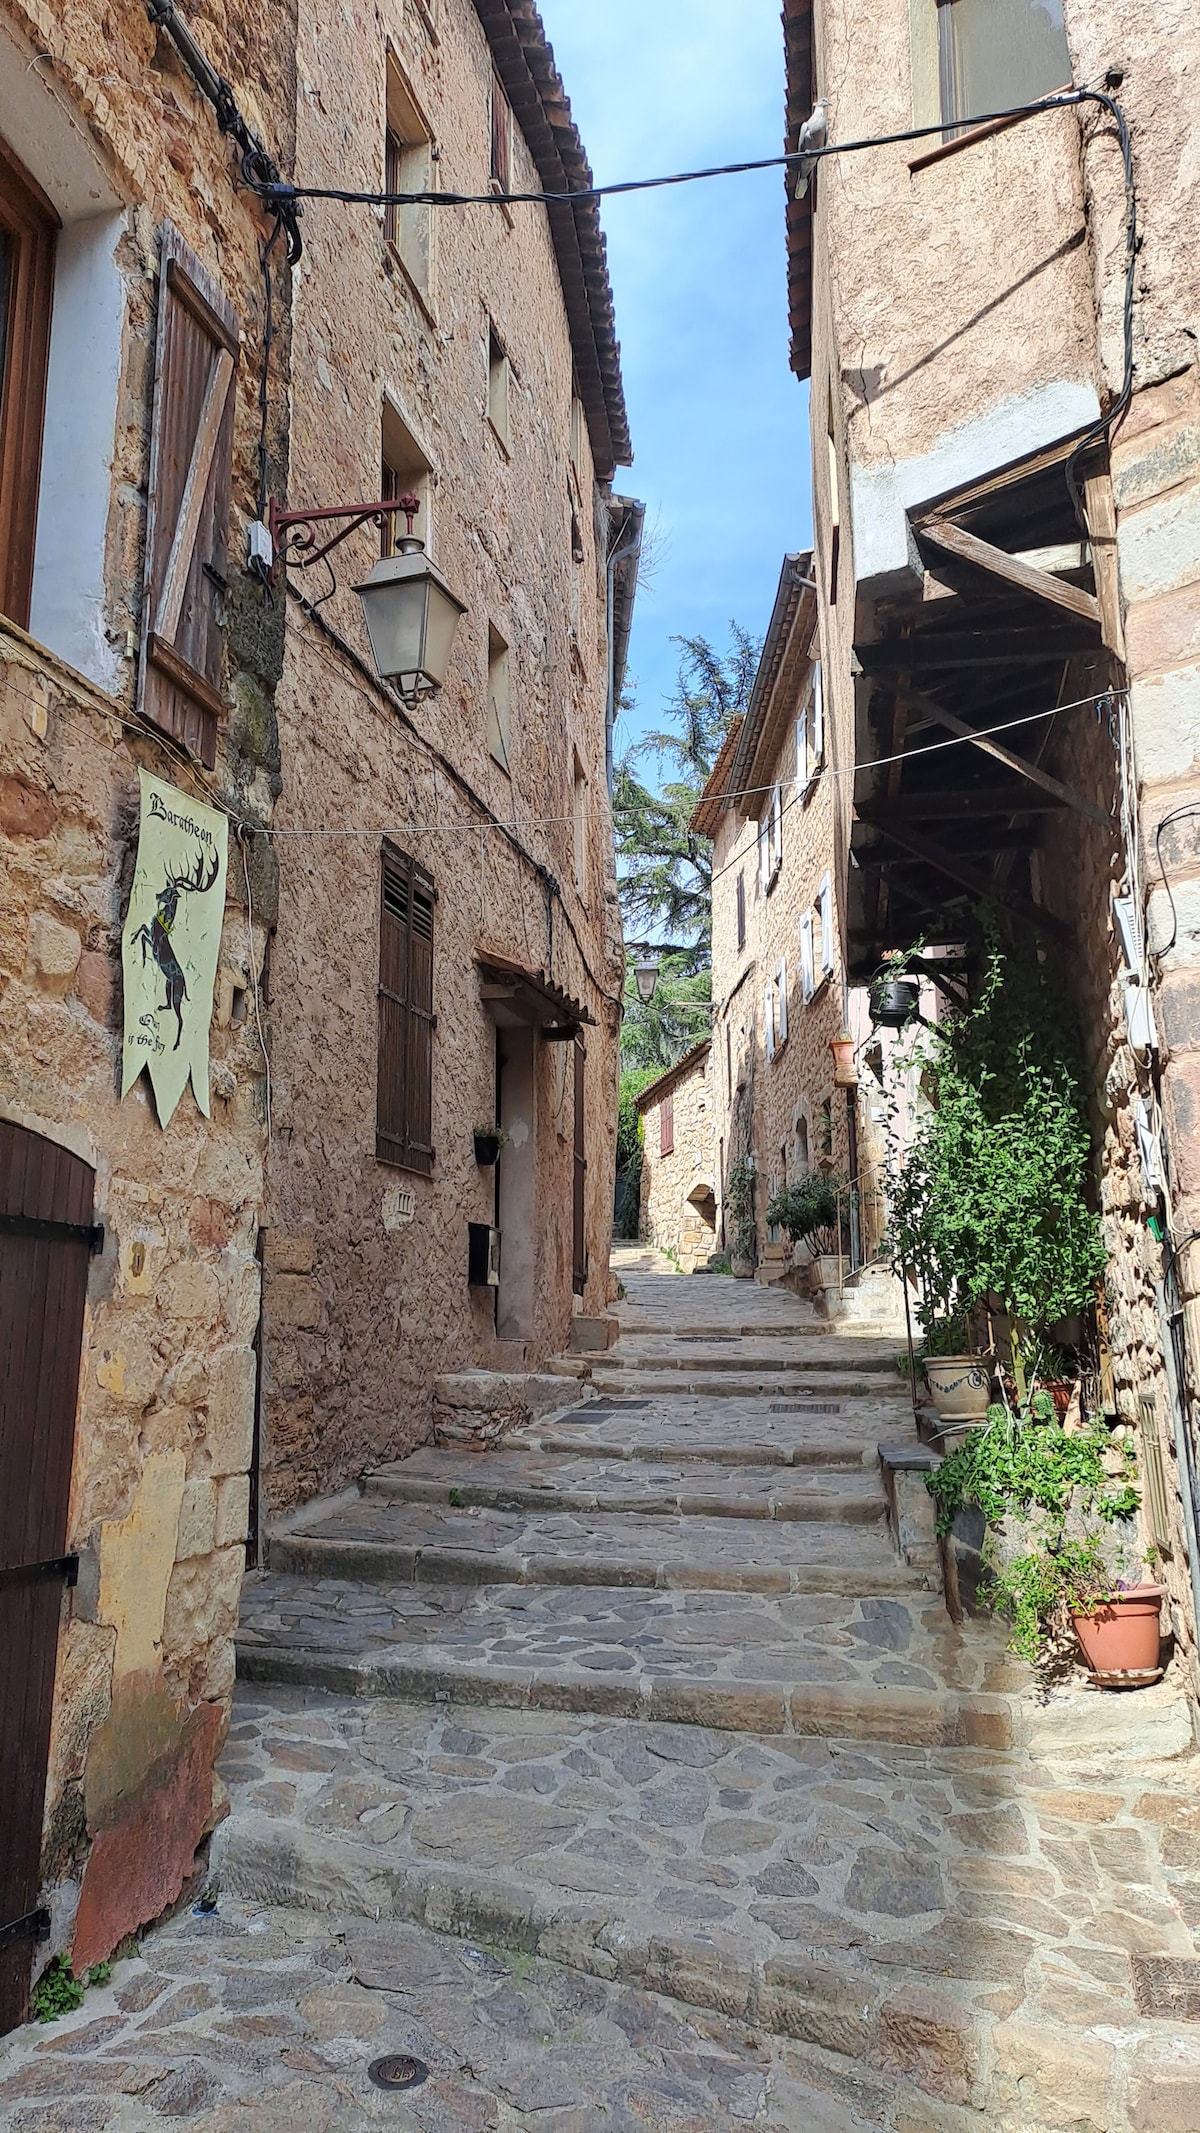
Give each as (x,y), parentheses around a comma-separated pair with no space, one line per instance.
(65,1567)
(34,1926)
(36,1226)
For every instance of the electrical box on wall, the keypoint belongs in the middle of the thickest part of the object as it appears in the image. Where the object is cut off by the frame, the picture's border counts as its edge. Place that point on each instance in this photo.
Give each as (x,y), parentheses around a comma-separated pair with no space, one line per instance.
(483,1256)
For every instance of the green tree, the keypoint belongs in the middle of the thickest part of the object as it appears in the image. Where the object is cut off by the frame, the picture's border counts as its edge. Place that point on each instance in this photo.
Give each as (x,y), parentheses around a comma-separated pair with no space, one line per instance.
(664,869)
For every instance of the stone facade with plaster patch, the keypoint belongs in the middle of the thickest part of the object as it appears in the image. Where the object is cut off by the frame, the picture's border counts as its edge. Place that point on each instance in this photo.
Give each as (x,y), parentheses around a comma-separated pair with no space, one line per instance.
(100,111)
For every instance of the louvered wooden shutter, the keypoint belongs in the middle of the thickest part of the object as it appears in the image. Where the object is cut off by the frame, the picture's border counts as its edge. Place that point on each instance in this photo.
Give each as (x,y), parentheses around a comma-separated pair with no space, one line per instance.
(404,1093)
(741,911)
(187,512)
(666,1126)
(808,980)
(825,907)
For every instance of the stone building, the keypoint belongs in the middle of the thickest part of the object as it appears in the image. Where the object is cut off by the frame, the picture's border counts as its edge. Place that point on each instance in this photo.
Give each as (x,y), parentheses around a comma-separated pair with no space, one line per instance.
(131,639)
(466,356)
(773,811)
(1006,452)
(680,1167)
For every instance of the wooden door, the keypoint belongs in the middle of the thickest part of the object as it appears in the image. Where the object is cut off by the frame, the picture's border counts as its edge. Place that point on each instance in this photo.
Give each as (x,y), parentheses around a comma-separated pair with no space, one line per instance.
(46,1237)
(579,1253)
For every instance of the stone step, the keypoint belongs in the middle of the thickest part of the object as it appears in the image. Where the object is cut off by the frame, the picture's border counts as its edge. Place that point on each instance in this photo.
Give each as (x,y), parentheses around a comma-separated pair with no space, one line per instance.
(925,1912)
(740,1360)
(678,1480)
(876,1668)
(374,1541)
(789,1431)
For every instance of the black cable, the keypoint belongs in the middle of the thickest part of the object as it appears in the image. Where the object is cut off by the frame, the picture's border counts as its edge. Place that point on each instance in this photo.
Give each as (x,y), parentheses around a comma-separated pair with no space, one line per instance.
(1177,814)
(268,337)
(285,192)
(259,172)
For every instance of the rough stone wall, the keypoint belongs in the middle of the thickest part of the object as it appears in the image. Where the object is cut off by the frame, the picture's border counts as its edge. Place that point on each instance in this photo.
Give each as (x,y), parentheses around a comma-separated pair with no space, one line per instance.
(362,1316)
(680,1191)
(159,1499)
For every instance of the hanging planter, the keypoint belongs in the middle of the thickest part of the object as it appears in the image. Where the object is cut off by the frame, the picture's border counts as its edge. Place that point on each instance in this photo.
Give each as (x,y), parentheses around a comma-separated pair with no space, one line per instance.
(489,1140)
(893,1001)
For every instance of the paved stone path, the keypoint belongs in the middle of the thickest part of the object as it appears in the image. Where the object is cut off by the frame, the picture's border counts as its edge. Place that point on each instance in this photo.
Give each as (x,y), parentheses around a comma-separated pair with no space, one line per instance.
(628,1776)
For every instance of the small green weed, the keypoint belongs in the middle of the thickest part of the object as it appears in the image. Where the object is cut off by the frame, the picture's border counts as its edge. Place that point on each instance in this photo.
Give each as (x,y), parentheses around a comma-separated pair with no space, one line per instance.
(57,1992)
(457,1499)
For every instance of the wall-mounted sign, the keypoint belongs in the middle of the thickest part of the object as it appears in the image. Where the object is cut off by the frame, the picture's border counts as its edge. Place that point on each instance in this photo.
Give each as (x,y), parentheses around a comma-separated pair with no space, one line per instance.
(171,943)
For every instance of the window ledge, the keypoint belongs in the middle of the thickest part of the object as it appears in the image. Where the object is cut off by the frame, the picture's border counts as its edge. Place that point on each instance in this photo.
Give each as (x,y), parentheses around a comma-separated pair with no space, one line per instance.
(929,156)
(22,650)
(393,253)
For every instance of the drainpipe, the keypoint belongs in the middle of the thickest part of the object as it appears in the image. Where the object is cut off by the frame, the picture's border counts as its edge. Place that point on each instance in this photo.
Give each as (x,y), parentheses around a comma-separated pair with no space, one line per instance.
(620,554)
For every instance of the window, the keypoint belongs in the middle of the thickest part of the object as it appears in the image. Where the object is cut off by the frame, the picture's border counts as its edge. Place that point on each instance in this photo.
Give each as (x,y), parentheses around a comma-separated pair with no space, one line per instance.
(802,1163)
(996,53)
(769,1018)
(577,437)
(27,235)
(728,1063)
(499,727)
(404,1090)
(770,840)
(502,137)
(408,142)
(579,825)
(781,990)
(810,736)
(666,1125)
(498,383)
(741,911)
(187,519)
(404,471)
(816,941)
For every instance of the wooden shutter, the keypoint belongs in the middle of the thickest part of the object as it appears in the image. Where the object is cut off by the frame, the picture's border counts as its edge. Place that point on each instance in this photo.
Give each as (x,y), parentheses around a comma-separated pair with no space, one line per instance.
(28,227)
(808,981)
(803,771)
(769,1019)
(579,1255)
(187,512)
(404,1088)
(741,910)
(501,160)
(818,716)
(825,907)
(666,1125)
(782,988)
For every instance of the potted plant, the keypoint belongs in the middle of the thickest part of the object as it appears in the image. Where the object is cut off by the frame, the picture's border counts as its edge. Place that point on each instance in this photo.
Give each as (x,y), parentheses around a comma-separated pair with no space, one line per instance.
(739,1209)
(842,1047)
(489,1140)
(959,1381)
(809,1212)
(1023,1469)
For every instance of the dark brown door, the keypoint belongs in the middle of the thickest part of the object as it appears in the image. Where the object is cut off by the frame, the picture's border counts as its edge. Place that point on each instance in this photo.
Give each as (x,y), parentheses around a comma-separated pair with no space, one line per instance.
(579,1252)
(45,1241)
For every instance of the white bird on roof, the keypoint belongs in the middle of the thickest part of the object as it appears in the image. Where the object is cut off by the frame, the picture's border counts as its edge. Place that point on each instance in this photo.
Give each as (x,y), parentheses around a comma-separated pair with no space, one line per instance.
(813,134)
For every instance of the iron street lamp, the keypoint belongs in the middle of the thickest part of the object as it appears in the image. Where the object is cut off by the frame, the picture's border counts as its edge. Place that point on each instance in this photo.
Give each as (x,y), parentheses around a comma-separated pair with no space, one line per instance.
(409,610)
(645,976)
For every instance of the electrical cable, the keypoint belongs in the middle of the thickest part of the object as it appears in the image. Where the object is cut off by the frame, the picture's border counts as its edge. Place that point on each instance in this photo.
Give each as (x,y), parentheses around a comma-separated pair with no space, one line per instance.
(348,196)
(1177,814)
(1101,431)
(260,173)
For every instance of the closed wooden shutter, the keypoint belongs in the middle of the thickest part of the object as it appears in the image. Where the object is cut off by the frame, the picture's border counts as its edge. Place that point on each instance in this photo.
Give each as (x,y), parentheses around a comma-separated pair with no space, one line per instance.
(187,513)
(579,1255)
(404,1095)
(741,911)
(666,1126)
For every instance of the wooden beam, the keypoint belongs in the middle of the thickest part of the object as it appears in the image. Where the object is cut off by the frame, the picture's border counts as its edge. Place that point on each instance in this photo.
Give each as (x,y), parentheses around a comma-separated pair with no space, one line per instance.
(981,802)
(1102,531)
(968,877)
(994,748)
(992,647)
(970,549)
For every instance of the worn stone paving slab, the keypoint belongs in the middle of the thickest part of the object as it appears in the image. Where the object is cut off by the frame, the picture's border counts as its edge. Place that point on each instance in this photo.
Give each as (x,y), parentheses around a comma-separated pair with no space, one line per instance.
(835,1432)
(402,1543)
(251,2020)
(762,1661)
(520,1479)
(833,1893)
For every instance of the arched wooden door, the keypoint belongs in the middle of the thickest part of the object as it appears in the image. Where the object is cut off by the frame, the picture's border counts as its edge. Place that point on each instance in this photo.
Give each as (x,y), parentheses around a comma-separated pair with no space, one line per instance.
(46,1237)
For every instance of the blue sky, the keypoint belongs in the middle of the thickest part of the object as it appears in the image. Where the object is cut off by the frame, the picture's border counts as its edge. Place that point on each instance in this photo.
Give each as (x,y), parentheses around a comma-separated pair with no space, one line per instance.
(720,425)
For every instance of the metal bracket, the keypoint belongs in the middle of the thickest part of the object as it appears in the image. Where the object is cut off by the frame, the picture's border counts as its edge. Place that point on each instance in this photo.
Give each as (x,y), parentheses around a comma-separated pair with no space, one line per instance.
(34,1926)
(39,1226)
(65,1567)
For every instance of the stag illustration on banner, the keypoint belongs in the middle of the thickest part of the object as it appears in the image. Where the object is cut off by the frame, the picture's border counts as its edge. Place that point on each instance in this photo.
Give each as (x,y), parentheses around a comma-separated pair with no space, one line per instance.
(171,943)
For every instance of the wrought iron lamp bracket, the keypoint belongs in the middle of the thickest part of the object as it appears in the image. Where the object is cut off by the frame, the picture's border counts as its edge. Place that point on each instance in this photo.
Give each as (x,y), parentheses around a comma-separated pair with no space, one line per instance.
(295,534)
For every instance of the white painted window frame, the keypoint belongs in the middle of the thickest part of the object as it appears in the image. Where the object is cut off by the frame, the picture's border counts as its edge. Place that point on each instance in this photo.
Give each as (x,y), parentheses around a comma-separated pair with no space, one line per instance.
(808,981)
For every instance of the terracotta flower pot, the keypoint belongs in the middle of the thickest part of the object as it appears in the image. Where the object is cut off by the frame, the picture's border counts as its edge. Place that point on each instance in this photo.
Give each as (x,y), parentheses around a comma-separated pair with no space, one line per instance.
(1120,1640)
(960,1386)
(1060,1392)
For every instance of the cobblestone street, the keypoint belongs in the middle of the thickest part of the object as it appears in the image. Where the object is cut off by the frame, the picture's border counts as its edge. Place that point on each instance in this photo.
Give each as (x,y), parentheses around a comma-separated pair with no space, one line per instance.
(627,1776)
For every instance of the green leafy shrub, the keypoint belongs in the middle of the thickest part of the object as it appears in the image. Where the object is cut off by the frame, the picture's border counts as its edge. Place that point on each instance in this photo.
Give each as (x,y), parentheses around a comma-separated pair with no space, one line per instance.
(1027,1463)
(1040,1591)
(57,1992)
(808,1211)
(739,1207)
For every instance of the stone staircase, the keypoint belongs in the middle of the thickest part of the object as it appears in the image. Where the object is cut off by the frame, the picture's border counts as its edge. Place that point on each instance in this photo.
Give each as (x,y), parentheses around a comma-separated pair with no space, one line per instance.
(647,1690)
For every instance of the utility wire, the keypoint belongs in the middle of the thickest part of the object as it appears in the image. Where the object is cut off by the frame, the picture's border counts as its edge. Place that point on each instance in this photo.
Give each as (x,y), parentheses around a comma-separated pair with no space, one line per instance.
(284,192)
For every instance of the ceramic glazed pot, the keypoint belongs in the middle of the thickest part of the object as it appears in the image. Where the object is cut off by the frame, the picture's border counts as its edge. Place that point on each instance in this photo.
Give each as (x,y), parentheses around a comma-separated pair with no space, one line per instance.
(960,1385)
(1120,1641)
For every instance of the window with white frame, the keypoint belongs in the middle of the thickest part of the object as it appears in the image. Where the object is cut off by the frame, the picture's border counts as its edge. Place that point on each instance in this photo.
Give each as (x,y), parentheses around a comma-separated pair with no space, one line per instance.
(996,53)
(781,1007)
(769,1018)
(770,840)
(810,736)
(816,941)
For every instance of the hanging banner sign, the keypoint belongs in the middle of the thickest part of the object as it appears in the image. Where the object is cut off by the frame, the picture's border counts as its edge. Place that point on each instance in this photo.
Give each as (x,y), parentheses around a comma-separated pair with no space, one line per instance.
(171,943)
